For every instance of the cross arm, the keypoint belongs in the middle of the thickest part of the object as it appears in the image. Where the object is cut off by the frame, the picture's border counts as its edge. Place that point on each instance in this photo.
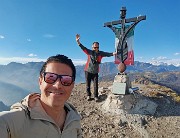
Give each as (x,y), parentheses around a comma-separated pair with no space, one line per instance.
(134,19)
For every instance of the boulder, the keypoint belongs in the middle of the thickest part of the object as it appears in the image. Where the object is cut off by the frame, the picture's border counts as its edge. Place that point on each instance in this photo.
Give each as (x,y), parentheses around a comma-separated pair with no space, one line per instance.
(131,103)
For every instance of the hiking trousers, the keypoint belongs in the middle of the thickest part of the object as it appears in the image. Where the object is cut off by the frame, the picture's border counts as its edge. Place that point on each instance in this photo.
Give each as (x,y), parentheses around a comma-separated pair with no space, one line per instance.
(91,77)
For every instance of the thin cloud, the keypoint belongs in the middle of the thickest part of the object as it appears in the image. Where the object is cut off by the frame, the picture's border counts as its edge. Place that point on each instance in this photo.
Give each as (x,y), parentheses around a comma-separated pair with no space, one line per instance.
(32,58)
(32,55)
(140,58)
(5,61)
(29,40)
(48,36)
(176,54)
(78,62)
(2,37)
(161,58)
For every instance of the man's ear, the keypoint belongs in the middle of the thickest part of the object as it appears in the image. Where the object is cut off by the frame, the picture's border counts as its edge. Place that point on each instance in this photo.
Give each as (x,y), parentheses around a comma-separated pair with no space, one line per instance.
(40,80)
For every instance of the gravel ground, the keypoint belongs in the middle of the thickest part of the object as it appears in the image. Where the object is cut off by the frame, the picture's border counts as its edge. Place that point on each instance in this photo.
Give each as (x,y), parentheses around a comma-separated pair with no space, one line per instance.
(97,124)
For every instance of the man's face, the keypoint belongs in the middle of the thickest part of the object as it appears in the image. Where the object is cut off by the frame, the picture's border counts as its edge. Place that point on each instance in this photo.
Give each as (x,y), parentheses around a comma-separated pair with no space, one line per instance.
(55,94)
(95,47)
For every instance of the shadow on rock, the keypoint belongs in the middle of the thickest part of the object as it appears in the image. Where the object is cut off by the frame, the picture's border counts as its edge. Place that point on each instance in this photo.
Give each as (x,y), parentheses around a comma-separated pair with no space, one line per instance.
(102,98)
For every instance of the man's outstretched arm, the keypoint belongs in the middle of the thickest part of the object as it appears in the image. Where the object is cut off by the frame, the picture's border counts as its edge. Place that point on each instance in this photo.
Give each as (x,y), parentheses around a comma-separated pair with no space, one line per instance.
(86,50)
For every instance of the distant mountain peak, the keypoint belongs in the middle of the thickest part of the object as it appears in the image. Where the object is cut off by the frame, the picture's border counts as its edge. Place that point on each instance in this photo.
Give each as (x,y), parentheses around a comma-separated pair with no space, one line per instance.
(174,62)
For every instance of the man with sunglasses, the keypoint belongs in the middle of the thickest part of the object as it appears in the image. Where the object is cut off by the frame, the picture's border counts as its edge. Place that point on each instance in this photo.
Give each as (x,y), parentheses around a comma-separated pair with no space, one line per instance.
(92,66)
(46,115)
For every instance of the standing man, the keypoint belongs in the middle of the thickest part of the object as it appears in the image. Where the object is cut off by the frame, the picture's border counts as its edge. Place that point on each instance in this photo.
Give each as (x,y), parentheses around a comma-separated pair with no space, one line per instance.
(92,65)
(46,115)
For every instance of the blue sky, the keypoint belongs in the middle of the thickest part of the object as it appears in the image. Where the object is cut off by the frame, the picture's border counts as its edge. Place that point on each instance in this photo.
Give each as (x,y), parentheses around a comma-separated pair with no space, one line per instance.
(32,30)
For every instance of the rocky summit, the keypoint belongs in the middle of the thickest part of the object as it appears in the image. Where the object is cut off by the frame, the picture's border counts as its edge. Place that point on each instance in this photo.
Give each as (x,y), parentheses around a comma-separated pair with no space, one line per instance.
(153,111)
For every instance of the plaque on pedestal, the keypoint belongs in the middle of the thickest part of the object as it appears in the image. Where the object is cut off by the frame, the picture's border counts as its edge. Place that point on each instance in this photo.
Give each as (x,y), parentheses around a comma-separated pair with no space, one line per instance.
(119,88)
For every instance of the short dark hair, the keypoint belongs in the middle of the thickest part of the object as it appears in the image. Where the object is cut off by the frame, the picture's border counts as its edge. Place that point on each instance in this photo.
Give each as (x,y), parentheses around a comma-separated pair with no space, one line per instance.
(59,59)
(95,43)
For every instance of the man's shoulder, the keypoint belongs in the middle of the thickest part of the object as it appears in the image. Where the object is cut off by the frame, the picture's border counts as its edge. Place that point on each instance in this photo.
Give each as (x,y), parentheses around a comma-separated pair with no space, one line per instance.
(14,116)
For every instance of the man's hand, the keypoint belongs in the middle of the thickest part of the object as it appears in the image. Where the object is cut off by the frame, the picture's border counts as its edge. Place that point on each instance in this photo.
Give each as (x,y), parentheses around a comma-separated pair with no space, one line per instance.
(114,53)
(78,38)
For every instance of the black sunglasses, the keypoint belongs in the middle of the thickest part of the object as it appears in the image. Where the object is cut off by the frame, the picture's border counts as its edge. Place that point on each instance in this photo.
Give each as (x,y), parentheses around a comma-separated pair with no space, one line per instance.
(51,78)
(96,47)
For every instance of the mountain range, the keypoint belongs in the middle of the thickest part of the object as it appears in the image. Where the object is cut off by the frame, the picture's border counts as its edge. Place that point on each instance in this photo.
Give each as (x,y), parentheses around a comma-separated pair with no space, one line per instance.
(17,80)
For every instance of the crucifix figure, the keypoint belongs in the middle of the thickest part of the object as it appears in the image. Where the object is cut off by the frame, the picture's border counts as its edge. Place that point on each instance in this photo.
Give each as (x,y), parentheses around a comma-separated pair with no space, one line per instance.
(121,82)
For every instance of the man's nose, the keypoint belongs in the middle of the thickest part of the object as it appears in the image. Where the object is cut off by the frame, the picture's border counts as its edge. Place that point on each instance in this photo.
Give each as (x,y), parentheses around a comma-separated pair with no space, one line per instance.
(58,83)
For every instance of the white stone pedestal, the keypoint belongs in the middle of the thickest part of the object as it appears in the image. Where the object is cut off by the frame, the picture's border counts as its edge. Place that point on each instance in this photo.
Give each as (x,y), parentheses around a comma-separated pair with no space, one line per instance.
(121,84)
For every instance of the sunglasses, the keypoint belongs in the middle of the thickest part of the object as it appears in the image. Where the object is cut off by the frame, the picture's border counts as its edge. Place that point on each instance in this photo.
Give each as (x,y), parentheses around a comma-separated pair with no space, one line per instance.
(51,78)
(96,47)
